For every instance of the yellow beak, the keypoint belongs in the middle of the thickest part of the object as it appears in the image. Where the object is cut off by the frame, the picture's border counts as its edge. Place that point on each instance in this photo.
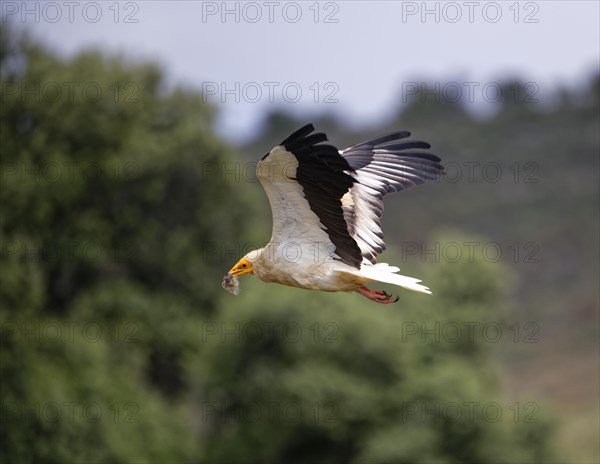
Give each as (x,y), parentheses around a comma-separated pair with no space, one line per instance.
(243,266)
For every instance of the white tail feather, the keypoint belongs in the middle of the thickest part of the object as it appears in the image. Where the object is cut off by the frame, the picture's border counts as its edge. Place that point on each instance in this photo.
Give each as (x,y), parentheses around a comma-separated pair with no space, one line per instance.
(383,272)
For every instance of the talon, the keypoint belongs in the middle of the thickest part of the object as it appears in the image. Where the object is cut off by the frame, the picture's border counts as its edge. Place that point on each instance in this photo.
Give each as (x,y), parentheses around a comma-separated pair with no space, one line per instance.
(378,296)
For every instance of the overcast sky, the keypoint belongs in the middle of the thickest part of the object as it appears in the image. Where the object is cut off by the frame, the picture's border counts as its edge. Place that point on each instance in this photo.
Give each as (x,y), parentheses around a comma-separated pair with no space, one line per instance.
(356,58)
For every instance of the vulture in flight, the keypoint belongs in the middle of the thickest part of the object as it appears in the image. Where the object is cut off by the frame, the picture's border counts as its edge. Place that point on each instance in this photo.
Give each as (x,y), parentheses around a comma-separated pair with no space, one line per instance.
(327,206)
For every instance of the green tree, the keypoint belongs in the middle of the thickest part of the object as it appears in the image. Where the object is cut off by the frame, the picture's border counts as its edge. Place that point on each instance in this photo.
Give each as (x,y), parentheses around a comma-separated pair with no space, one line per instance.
(113,210)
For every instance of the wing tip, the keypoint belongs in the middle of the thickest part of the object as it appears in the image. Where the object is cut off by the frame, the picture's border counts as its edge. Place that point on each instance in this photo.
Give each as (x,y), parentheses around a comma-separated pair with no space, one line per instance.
(299,134)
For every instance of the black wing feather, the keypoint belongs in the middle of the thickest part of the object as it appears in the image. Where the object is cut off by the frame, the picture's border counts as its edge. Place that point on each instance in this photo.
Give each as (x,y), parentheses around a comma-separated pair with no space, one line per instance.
(385,164)
(326,176)
(323,174)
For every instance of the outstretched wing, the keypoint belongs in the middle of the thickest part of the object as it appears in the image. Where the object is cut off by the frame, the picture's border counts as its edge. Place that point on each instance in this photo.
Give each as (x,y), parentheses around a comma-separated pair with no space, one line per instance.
(305,181)
(380,166)
(329,197)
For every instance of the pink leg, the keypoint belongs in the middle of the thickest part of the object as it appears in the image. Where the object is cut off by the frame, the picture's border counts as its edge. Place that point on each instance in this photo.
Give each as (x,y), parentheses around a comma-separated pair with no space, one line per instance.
(378,296)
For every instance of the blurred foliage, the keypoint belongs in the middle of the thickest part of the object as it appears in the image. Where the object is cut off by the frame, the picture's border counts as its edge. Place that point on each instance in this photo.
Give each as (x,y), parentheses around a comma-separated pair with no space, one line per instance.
(119,345)
(107,214)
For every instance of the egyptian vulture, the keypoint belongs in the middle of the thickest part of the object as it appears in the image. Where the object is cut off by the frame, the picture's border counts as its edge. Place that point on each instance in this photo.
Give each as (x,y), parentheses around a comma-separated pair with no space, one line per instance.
(327,206)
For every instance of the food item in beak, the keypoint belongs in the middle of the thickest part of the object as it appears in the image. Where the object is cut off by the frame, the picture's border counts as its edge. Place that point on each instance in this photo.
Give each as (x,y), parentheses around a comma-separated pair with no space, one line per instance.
(231,284)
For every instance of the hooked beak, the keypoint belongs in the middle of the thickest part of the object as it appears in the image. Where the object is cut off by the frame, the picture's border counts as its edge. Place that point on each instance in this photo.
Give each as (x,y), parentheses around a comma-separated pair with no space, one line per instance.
(243,266)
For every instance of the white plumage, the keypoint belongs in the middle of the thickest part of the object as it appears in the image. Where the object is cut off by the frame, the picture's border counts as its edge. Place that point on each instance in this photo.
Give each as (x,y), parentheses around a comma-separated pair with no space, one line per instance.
(327,206)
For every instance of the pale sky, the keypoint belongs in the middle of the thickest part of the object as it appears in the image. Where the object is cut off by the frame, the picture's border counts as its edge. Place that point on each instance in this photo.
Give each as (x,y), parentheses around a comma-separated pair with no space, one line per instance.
(357,59)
